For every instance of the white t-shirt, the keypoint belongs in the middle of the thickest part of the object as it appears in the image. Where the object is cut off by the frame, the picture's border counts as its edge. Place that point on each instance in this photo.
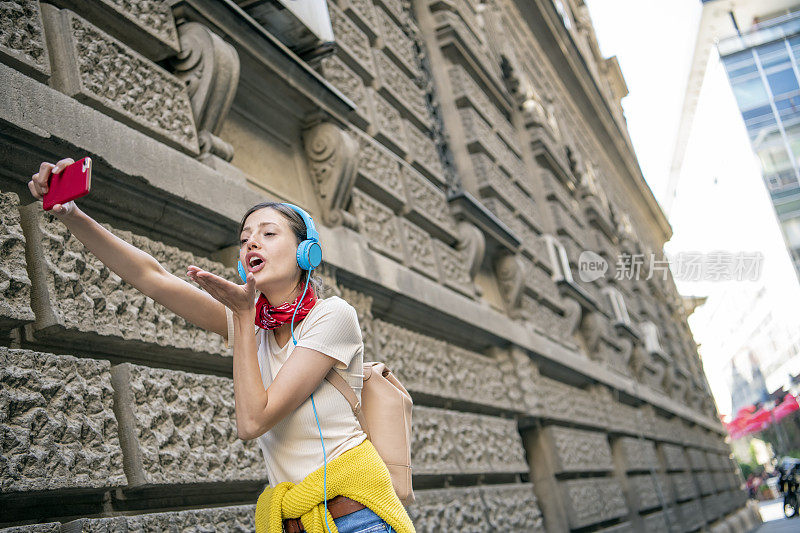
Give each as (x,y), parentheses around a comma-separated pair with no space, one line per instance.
(292,448)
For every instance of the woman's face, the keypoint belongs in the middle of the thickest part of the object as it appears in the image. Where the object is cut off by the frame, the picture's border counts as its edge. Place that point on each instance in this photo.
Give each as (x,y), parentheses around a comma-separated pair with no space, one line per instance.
(269,250)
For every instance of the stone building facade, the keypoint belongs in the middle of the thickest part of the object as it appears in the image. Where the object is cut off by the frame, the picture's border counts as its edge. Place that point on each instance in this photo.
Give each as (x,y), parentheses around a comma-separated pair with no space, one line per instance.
(458,157)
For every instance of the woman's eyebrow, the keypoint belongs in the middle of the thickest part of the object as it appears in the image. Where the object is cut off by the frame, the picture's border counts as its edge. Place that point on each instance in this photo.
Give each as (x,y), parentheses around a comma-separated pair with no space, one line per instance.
(247,228)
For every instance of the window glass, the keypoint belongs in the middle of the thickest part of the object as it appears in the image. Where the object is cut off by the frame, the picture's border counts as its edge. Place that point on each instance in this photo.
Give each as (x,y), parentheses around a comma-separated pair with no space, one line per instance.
(783,81)
(773,54)
(750,93)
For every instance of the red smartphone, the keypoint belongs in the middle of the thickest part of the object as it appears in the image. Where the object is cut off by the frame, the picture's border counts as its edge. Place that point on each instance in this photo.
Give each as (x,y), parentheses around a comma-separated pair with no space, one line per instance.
(70,184)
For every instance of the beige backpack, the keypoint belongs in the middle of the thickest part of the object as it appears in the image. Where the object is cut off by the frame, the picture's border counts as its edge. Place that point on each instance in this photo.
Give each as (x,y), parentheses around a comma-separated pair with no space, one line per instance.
(385,416)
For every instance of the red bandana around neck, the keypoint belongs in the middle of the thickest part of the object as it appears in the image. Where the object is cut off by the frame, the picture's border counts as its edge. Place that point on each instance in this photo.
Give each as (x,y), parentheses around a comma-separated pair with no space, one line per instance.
(271,317)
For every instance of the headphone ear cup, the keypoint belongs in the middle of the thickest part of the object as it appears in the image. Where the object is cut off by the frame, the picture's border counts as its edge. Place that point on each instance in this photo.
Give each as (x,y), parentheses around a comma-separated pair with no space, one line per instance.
(309,254)
(242,272)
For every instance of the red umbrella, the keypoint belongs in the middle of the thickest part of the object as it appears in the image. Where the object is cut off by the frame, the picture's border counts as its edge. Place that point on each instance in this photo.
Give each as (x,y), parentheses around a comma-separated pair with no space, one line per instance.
(760,420)
(786,407)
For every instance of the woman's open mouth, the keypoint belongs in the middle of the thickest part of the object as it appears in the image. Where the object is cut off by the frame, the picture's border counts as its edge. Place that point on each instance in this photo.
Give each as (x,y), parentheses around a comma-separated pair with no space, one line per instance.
(254,263)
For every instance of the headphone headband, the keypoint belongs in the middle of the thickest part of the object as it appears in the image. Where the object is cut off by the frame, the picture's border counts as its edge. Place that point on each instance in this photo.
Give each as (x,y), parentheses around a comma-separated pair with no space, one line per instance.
(311,231)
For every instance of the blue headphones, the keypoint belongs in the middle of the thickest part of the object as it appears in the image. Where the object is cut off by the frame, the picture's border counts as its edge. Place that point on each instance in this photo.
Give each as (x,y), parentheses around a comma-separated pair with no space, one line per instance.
(309,252)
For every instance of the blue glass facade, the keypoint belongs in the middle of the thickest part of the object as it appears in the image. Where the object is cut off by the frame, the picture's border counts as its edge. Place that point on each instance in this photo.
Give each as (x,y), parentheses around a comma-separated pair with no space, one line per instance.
(762,66)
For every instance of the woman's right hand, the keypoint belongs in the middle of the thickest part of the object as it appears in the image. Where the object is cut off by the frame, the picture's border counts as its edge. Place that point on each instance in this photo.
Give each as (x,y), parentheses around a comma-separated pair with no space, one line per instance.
(40,184)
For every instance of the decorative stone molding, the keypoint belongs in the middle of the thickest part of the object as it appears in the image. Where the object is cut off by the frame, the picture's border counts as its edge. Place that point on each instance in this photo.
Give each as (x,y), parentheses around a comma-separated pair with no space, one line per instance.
(332,158)
(22,41)
(57,418)
(180,428)
(108,75)
(210,69)
(15,286)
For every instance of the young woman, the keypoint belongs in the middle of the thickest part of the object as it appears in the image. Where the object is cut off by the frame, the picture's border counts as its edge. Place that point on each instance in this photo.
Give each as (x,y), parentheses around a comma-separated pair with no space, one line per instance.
(281,396)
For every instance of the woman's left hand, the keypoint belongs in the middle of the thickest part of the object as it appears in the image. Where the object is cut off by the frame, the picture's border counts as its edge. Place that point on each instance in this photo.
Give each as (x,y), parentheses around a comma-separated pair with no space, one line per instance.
(237,298)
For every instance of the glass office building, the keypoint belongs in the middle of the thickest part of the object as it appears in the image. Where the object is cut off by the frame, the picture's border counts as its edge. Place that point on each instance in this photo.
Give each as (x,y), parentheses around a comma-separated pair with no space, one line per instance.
(763,68)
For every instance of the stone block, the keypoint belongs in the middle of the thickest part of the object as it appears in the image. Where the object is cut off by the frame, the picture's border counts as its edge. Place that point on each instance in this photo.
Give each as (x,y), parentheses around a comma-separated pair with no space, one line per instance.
(22,41)
(637,454)
(146,25)
(427,206)
(705,482)
(674,458)
(592,500)
(454,268)
(77,299)
(363,13)
(683,486)
(486,508)
(451,442)
(390,129)
(657,522)
(424,154)
(697,459)
(577,450)
(644,493)
(418,248)
(402,92)
(57,425)
(397,45)
(570,404)
(379,174)
(379,225)
(15,286)
(512,507)
(691,514)
(106,74)
(352,86)
(177,428)
(50,527)
(352,44)
(240,518)
(435,368)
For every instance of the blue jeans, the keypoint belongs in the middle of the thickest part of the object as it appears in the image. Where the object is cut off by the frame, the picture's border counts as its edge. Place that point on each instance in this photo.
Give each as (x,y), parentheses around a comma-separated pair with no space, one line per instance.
(363,521)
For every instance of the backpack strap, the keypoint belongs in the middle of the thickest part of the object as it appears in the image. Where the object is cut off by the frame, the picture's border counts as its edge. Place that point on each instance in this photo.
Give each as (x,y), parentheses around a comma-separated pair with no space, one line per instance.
(335,379)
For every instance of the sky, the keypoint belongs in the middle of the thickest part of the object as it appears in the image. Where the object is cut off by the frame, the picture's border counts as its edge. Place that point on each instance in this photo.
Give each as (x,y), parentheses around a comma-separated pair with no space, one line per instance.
(721,202)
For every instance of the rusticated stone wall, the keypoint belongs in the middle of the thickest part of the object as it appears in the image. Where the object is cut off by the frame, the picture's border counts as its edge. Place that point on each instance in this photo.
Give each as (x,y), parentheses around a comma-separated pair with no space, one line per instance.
(458,156)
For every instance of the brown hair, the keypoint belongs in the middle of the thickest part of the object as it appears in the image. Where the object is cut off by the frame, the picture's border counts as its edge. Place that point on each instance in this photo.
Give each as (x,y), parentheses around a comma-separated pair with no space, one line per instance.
(298,226)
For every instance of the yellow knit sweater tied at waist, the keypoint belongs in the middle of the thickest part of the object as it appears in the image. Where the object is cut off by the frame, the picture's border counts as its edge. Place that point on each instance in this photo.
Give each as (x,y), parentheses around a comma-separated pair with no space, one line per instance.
(359,474)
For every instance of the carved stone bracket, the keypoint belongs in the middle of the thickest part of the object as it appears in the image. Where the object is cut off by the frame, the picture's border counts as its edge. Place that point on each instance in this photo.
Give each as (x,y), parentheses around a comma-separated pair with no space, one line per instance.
(210,69)
(472,243)
(510,271)
(333,159)
(591,329)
